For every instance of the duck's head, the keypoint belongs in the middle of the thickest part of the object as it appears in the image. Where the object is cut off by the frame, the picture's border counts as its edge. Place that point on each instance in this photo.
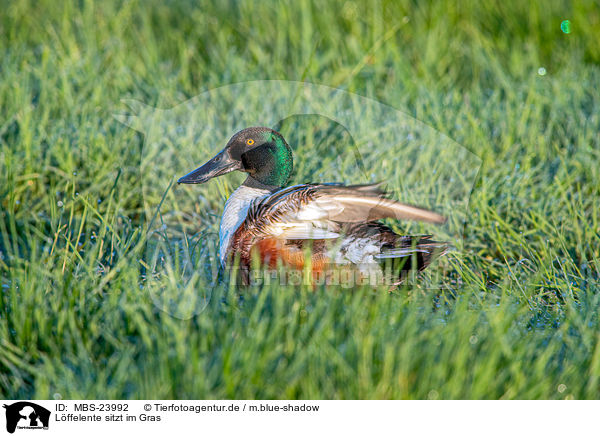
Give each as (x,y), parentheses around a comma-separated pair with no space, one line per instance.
(259,151)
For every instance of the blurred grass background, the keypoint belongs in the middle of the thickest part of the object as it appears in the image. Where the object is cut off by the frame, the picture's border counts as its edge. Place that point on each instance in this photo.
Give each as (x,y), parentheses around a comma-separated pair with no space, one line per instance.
(501,78)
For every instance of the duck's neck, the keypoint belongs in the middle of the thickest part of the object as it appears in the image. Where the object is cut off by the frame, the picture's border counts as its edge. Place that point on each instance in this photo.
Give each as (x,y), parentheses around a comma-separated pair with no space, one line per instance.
(251,182)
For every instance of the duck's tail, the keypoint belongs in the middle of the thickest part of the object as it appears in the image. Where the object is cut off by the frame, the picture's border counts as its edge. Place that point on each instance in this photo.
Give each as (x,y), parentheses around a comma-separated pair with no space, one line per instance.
(411,253)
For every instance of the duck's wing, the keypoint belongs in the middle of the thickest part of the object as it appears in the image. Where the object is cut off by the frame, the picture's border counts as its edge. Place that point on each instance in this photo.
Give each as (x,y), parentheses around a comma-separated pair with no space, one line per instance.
(280,225)
(318,211)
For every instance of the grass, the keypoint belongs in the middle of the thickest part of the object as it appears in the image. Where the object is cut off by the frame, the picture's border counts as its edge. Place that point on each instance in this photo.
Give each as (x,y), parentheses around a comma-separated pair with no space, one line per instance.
(499,78)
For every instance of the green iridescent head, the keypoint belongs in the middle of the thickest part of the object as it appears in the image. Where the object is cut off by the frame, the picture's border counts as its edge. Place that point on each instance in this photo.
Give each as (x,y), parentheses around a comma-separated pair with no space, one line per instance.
(259,151)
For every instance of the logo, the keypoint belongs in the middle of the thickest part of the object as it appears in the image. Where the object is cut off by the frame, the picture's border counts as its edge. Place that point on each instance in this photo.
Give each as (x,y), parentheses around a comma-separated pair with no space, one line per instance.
(26,415)
(341,137)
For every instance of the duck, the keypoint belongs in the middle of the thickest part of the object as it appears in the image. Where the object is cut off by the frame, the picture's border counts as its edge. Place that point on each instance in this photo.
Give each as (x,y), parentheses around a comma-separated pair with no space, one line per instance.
(321,226)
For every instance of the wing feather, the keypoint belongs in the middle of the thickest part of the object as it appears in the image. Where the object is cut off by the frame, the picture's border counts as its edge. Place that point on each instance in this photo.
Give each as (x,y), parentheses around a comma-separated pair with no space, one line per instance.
(316,211)
(353,208)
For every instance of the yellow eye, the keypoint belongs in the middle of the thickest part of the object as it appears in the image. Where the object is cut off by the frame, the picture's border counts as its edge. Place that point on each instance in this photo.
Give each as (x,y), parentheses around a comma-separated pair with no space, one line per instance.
(249,141)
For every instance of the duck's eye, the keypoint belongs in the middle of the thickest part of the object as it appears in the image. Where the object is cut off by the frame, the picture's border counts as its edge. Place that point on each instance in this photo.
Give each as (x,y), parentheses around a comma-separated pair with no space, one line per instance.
(249,141)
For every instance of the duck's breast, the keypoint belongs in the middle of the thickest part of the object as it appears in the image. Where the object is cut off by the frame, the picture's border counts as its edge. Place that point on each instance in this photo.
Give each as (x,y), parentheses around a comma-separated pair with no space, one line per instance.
(236,210)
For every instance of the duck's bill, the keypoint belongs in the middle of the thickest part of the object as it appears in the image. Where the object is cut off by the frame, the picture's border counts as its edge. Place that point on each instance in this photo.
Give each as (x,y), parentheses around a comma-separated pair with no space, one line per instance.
(221,164)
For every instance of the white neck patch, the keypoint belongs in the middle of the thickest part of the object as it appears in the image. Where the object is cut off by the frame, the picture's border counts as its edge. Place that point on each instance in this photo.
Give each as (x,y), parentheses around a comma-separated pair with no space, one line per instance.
(236,210)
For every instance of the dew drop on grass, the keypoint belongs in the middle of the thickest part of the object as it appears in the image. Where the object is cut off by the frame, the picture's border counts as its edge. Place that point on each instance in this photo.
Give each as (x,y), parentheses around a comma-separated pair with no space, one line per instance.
(473,340)
(541,71)
(561,388)
(433,395)
(59,203)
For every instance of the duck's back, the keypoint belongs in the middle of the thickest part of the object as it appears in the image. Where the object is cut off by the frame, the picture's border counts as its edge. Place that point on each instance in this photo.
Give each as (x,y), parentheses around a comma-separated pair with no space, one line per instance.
(335,223)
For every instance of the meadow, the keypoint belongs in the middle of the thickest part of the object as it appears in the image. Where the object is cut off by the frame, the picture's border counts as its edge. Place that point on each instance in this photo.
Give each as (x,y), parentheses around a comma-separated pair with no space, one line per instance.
(515,83)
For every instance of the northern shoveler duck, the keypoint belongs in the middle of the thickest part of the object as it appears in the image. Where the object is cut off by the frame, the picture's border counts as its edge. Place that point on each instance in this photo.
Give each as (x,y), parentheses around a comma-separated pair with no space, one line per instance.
(338,223)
